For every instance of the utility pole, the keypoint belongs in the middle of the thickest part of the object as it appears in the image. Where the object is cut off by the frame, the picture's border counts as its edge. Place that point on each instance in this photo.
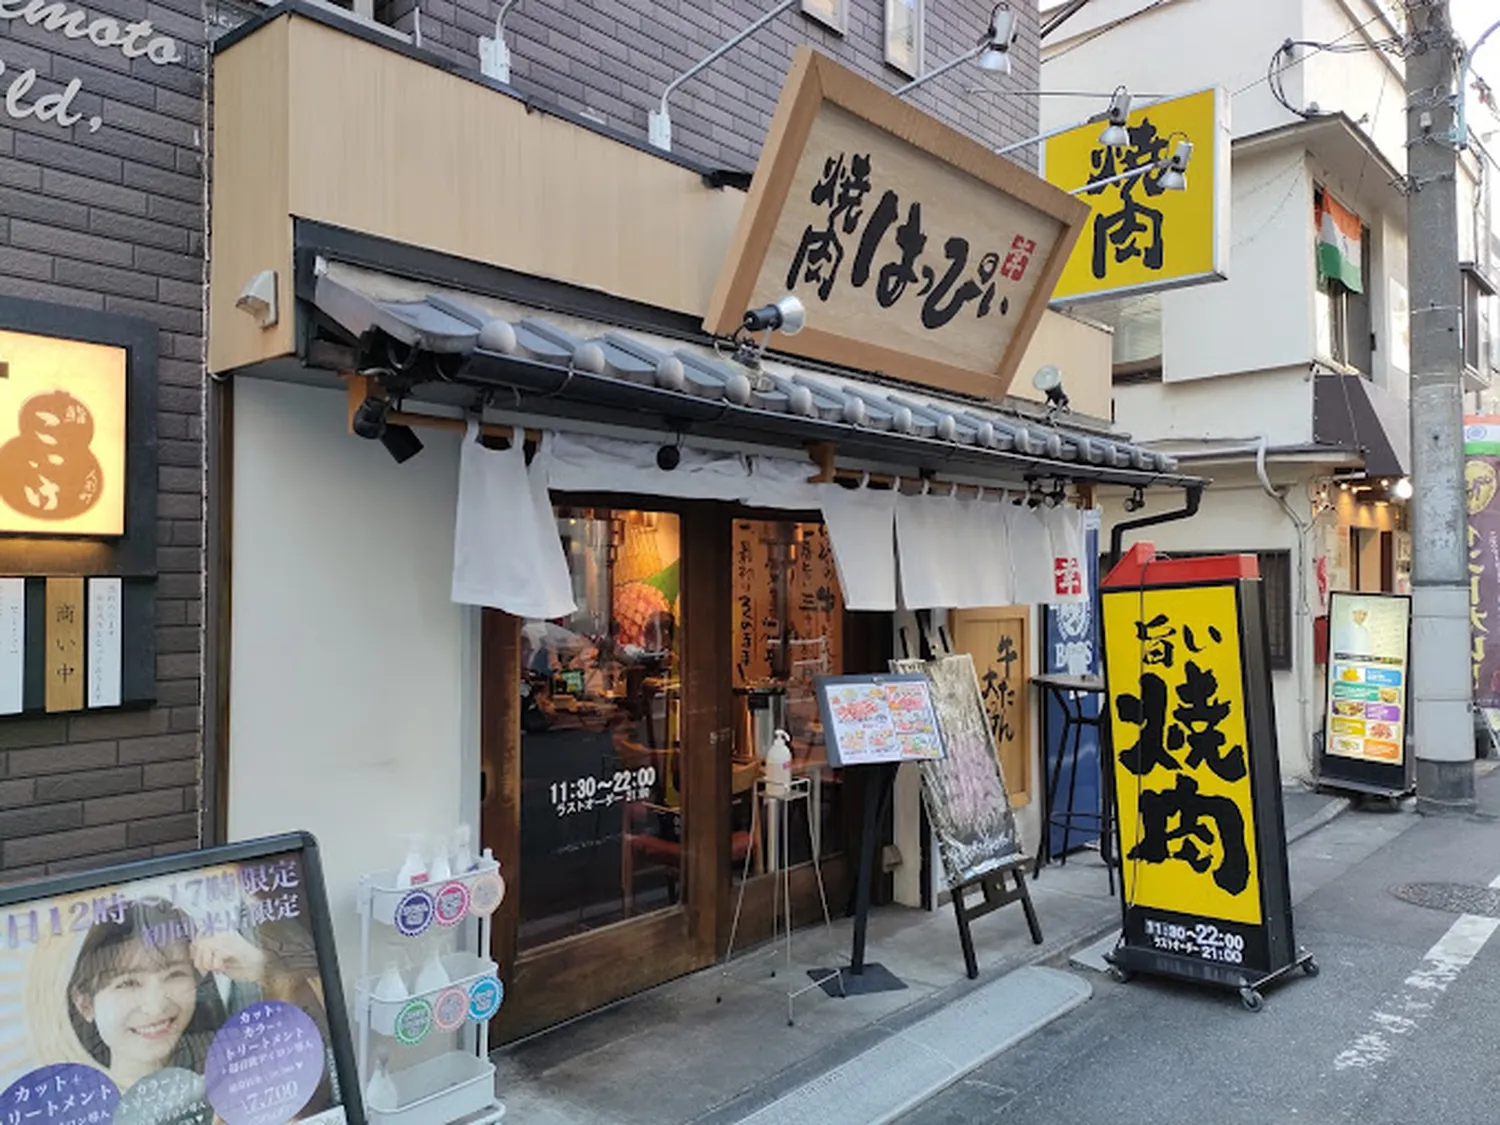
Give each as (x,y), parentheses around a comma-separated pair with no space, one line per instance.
(1441,725)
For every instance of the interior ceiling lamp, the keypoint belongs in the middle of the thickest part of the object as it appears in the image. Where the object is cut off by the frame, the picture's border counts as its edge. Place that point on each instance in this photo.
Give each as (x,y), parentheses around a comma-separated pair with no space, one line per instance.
(659,121)
(372,421)
(1049,381)
(991,54)
(494,55)
(1114,118)
(1173,171)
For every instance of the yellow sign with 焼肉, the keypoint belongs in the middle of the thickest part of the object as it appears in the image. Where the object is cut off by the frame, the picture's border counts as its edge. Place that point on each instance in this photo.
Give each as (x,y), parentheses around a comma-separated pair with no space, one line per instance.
(1142,236)
(1182,755)
(62,436)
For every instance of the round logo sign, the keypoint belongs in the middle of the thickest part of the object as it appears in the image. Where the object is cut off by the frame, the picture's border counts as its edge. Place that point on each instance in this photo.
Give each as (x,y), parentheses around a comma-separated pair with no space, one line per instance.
(486,894)
(413,1022)
(485,996)
(451,903)
(450,1009)
(414,913)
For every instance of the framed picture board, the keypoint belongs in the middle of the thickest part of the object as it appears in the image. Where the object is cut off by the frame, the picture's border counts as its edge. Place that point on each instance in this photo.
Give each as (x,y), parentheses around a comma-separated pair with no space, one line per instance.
(905,36)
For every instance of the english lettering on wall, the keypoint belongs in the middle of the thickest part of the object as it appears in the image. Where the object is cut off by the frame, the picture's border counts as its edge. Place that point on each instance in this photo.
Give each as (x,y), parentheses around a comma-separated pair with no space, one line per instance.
(134,40)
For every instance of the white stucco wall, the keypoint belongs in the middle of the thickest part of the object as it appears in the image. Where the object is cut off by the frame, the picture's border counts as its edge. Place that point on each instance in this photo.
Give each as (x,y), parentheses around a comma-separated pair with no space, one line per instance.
(1276,405)
(349,663)
(1237,515)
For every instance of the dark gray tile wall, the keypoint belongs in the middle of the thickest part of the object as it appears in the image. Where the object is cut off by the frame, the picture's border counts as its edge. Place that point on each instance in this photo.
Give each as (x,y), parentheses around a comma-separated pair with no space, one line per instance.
(113,220)
(613,58)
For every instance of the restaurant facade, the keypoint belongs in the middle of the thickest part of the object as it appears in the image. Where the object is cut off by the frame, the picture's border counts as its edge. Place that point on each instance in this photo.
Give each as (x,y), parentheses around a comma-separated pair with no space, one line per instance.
(555,469)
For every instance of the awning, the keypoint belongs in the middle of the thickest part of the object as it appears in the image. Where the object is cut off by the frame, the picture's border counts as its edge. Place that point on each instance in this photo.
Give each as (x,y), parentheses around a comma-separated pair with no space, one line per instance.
(1351,412)
(553,364)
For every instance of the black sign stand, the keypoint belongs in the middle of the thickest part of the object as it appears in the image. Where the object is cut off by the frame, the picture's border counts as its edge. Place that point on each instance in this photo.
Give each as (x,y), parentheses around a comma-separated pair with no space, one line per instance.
(1270,951)
(996,894)
(860,978)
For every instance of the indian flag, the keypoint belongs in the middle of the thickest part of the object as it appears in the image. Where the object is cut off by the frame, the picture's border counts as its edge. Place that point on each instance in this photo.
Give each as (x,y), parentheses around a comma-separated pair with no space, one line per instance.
(1482,435)
(1338,244)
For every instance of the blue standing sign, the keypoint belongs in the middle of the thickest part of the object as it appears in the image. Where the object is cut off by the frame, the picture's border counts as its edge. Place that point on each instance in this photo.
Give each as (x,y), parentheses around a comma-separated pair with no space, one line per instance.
(1070,646)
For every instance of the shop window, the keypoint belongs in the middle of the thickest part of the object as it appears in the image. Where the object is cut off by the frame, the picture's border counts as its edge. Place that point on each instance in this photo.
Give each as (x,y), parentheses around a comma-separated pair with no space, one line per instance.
(788,629)
(1341,300)
(1478,309)
(601,777)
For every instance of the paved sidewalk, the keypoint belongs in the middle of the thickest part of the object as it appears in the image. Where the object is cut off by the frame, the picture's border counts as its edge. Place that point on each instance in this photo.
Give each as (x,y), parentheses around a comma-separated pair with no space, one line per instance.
(678,1054)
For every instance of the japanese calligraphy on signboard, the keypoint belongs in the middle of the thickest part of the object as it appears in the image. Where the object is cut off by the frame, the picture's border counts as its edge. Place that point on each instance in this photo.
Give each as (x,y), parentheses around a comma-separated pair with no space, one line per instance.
(62,436)
(999,642)
(916,250)
(1192,733)
(1482,480)
(190,994)
(1141,236)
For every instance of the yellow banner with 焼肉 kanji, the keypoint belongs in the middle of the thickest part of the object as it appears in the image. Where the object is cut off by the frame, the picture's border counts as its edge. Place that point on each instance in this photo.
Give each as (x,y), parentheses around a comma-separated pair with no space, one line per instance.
(1181,751)
(1143,235)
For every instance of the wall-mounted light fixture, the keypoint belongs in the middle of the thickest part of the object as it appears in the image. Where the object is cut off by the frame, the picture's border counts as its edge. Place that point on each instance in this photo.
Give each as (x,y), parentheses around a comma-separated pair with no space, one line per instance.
(1402,489)
(992,53)
(659,120)
(494,55)
(372,421)
(1114,118)
(1049,381)
(787,316)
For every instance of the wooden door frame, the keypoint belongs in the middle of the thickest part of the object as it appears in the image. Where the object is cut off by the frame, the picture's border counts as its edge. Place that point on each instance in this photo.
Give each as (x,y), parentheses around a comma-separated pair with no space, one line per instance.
(554,982)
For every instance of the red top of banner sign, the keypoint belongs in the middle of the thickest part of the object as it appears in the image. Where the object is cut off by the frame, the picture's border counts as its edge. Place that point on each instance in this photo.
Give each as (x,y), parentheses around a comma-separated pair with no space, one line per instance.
(1139,567)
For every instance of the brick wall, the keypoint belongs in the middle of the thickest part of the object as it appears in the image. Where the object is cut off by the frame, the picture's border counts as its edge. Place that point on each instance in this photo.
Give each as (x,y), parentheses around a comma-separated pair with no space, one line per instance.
(113,220)
(613,58)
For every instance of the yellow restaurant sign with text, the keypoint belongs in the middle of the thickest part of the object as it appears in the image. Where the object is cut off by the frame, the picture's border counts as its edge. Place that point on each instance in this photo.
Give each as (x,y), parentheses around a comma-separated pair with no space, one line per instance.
(1182,769)
(62,436)
(1142,237)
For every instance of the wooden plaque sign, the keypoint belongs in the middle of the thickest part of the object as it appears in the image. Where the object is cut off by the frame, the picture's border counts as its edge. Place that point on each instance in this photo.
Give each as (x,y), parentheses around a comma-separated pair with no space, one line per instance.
(917,251)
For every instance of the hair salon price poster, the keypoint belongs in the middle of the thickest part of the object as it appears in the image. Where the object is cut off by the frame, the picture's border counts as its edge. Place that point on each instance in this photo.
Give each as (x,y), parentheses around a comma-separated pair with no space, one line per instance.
(1367,676)
(194,998)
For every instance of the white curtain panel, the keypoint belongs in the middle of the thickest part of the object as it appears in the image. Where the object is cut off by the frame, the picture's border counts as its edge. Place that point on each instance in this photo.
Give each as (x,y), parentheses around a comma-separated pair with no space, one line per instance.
(1069,567)
(861,528)
(933,574)
(588,463)
(506,550)
(1030,555)
(984,548)
(782,482)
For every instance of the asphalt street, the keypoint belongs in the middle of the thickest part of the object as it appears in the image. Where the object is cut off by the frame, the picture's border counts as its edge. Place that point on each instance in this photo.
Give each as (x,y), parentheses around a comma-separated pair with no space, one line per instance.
(1401,1025)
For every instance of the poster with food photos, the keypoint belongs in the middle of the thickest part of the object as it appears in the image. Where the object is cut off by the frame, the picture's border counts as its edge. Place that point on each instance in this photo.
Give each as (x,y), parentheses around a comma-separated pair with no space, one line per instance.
(199,990)
(873,719)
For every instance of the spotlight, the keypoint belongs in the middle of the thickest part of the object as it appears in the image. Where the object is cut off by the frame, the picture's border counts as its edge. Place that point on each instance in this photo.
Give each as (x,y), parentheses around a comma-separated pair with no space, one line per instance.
(369,419)
(1402,489)
(1048,380)
(668,457)
(787,316)
(995,57)
(1114,134)
(1175,177)
(1135,501)
(401,442)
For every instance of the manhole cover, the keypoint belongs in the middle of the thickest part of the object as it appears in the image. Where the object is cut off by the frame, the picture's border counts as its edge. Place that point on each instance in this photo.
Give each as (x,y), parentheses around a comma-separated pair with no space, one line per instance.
(1453,898)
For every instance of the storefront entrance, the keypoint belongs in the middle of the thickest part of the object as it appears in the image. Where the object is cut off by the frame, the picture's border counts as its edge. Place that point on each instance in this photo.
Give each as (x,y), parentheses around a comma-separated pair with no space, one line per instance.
(621,747)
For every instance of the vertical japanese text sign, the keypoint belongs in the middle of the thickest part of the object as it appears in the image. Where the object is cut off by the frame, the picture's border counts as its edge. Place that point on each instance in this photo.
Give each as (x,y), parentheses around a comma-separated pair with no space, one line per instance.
(1140,236)
(917,251)
(1193,748)
(1482,481)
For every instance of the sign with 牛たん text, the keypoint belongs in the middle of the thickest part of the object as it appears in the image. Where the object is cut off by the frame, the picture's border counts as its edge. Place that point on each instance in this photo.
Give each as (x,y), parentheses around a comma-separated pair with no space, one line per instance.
(916,251)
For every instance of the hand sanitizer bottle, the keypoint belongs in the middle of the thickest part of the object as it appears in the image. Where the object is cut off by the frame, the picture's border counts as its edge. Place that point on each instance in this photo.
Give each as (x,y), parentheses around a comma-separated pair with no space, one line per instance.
(433,976)
(390,987)
(463,854)
(380,1094)
(414,870)
(779,765)
(439,871)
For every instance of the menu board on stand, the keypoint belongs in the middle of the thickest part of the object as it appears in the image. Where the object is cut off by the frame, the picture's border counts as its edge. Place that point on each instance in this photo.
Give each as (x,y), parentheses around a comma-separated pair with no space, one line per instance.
(876,721)
(1365,718)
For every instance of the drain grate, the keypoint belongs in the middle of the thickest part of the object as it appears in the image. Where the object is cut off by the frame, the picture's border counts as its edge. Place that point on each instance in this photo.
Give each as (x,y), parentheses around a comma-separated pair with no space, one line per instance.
(1452,898)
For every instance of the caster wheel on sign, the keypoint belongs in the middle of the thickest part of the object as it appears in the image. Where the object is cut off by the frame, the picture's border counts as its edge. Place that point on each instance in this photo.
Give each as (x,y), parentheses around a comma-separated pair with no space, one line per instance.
(1252,1000)
(1311,968)
(1119,975)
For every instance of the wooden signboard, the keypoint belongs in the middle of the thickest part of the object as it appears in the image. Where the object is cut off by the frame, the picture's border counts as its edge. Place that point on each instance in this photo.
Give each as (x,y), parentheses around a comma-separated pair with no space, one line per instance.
(917,251)
(998,640)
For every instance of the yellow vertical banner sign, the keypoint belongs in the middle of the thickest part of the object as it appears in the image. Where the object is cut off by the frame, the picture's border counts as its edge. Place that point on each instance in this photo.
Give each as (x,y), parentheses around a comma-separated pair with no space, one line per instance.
(1194,773)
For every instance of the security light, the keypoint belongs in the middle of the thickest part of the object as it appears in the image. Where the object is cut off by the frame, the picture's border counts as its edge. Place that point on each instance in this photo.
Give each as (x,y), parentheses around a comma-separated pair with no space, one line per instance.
(1049,380)
(786,316)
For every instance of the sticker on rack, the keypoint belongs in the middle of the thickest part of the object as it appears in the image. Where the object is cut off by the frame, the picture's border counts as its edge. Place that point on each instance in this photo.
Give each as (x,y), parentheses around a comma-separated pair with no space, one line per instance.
(451,903)
(413,1022)
(485,997)
(414,913)
(450,1009)
(486,894)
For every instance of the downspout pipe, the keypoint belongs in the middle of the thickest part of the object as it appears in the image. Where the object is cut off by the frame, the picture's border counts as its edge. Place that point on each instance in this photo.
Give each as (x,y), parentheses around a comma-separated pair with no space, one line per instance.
(1189,509)
(1301,669)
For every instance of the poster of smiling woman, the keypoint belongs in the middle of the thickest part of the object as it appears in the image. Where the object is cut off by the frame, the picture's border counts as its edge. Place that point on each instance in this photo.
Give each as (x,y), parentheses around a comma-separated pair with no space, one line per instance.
(197,990)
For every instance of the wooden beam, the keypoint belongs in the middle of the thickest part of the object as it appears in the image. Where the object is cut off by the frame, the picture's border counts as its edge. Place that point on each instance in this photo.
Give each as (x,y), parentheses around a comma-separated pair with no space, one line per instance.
(823,454)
